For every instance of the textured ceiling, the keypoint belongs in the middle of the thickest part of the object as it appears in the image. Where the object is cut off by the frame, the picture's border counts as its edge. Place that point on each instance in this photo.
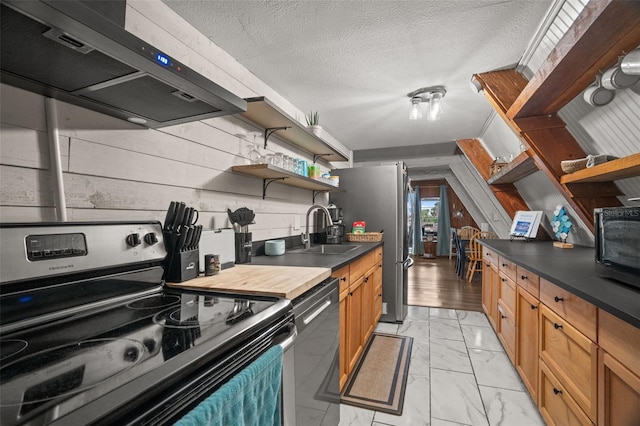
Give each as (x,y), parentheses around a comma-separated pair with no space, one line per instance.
(355,61)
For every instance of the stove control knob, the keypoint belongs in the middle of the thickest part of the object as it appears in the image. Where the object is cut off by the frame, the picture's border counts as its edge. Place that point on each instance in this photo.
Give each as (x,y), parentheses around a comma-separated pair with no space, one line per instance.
(151,238)
(133,240)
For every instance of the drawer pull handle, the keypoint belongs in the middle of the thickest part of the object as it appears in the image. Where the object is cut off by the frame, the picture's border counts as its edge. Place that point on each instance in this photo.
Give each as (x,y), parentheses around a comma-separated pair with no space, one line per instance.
(343,279)
(503,316)
(523,277)
(534,307)
(558,299)
(557,326)
(504,265)
(557,391)
(366,280)
(503,279)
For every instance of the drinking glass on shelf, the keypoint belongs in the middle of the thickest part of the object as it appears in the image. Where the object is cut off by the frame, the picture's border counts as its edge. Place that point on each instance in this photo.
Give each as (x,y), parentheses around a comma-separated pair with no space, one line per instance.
(278,158)
(287,163)
(268,159)
(253,155)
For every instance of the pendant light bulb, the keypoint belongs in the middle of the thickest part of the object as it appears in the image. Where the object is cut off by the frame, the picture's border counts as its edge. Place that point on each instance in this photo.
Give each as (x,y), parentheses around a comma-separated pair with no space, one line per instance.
(435,106)
(416,108)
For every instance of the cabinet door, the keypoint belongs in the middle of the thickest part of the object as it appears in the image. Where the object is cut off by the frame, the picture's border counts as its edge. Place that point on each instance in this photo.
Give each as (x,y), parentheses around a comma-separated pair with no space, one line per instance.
(344,357)
(572,358)
(618,394)
(354,322)
(527,340)
(494,283)
(367,305)
(377,293)
(486,287)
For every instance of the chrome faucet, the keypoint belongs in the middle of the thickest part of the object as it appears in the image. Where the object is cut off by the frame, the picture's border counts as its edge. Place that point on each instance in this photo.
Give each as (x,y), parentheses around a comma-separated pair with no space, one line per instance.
(305,238)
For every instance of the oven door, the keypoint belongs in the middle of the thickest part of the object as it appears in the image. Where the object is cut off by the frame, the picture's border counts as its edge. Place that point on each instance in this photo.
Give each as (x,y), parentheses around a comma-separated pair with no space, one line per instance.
(178,398)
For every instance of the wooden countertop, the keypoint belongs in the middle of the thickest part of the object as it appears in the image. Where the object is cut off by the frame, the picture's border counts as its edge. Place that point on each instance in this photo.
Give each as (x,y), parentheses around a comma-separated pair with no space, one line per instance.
(282,281)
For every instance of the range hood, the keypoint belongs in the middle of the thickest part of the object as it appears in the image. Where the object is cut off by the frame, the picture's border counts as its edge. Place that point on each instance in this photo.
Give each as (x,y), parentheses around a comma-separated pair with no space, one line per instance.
(79,52)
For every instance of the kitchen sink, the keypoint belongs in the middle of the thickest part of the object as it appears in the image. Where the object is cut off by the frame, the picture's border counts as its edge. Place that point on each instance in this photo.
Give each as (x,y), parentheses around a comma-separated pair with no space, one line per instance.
(325,249)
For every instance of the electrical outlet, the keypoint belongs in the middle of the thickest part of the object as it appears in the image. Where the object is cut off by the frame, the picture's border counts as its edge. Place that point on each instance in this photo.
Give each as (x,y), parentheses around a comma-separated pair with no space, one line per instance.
(296,223)
(384,309)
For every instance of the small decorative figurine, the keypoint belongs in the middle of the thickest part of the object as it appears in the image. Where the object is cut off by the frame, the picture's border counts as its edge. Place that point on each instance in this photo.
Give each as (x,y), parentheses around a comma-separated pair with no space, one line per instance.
(561,226)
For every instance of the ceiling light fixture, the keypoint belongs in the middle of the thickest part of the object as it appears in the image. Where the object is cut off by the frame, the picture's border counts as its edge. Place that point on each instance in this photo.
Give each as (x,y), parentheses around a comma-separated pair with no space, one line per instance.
(433,96)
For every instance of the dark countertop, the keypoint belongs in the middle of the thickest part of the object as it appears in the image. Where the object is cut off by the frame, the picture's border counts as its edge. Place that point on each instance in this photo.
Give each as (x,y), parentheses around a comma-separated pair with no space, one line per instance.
(333,261)
(574,270)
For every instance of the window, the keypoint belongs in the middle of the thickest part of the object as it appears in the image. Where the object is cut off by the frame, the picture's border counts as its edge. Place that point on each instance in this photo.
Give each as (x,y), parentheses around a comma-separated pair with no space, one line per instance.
(429,216)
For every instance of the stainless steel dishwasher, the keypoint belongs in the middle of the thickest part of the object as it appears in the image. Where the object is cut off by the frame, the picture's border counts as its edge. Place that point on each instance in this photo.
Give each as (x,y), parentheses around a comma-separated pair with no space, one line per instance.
(316,373)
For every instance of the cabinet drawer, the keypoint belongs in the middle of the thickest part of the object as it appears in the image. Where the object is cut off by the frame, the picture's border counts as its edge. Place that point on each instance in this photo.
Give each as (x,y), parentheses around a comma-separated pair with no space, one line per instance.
(489,255)
(507,292)
(580,313)
(620,339)
(572,358)
(343,275)
(507,329)
(508,267)
(357,268)
(528,280)
(555,404)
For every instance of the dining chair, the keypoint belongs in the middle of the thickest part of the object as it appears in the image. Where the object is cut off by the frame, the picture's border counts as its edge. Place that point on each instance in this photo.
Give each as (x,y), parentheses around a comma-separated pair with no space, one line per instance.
(475,256)
(487,235)
(466,232)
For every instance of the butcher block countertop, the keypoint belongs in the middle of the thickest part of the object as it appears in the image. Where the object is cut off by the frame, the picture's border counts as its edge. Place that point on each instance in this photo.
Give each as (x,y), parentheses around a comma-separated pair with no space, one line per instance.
(282,281)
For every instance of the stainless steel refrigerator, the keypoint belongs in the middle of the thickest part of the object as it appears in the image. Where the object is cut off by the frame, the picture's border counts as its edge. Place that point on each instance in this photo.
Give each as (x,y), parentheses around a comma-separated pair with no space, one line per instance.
(379,195)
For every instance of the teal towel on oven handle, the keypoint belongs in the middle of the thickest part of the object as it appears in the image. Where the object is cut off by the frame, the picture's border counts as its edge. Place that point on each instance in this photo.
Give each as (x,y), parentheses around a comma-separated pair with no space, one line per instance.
(250,398)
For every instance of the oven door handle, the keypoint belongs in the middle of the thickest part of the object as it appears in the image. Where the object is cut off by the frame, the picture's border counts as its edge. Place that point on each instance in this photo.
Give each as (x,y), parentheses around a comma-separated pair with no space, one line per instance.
(288,341)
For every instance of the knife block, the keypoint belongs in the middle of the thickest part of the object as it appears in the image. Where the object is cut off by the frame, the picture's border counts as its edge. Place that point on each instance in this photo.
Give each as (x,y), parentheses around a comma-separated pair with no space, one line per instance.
(180,265)
(183,266)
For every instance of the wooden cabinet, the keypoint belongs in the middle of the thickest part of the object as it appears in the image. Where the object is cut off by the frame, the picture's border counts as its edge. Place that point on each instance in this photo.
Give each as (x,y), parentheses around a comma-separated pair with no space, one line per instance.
(572,357)
(355,335)
(367,305)
(580,313)
(555,403)
(344,358)
(507,315)
(618,372)
(490,291)
(526,362)
(360,307)
(580,364)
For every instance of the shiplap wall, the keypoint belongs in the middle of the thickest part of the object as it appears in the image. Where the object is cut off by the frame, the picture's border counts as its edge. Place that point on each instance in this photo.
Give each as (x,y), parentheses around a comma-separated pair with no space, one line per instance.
(113,170)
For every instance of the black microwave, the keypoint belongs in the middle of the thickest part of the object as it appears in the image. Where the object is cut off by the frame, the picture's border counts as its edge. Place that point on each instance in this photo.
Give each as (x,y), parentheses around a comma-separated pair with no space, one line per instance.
(617,235)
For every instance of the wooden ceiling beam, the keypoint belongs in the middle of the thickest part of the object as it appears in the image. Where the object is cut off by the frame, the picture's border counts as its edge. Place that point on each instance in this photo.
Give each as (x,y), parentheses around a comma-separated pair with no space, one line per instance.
(602,32)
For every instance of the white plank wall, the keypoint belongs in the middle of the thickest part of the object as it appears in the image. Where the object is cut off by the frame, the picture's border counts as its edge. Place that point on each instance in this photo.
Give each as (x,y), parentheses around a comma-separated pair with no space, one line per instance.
(114,170)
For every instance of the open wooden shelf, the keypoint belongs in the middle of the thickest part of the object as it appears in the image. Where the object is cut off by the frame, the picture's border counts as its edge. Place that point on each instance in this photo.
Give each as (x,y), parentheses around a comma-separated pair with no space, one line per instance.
(263,112)
(521,166)
(271,174)
(621,168)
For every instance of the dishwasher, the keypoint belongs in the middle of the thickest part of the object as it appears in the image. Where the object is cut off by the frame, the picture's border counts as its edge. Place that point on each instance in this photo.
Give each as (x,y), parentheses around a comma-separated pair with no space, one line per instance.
(314,389)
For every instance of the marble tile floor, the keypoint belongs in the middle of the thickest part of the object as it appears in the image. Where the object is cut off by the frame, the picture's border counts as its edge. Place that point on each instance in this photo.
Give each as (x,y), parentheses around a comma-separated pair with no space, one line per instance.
(459,375)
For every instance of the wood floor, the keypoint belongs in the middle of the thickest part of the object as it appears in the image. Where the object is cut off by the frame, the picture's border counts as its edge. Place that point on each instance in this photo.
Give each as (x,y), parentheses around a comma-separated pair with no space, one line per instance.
(434,283)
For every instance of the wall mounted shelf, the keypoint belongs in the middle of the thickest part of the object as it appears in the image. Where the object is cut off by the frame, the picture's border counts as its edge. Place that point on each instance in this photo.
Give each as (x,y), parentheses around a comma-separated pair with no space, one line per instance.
(271,174)
(620,168)
(520,167)
(266,114)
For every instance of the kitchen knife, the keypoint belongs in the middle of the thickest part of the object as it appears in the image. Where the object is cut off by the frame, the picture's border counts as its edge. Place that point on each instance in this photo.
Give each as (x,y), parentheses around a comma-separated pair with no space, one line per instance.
(190,231)
(188,216)
(196,240)
(181,241)
(179,216)
(171,215)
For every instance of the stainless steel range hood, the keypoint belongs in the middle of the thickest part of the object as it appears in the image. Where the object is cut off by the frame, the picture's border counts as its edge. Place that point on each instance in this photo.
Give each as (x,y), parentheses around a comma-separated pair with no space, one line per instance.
(79,52)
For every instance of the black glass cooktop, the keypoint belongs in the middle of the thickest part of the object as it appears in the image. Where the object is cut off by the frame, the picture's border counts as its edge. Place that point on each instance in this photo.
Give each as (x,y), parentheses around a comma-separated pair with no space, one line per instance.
(75,359)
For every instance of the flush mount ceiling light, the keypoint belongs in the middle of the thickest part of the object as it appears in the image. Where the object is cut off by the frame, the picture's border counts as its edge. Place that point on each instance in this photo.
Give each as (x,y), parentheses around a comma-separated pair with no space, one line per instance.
(431,95)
